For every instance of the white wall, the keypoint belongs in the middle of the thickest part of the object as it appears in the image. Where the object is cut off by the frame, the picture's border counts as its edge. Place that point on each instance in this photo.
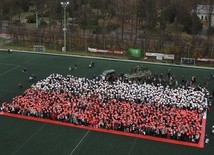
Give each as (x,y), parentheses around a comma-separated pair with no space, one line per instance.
(206,15)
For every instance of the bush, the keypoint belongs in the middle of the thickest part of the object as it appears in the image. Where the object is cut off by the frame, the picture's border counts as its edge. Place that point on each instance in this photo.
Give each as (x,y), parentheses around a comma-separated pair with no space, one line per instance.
(210,31)
(16,21)
(31,18)
(111,26)
(43,24)
(188,24)
(97,30)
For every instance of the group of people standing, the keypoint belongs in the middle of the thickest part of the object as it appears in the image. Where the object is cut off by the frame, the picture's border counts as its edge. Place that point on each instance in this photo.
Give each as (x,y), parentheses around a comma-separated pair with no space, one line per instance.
(146,109)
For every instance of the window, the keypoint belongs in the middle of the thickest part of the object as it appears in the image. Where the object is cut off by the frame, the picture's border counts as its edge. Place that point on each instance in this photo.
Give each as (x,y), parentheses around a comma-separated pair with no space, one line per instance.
(202,17)
(205,17)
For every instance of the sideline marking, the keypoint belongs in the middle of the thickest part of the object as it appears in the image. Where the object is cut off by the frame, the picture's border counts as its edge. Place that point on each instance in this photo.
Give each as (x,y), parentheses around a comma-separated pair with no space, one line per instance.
(8,64)
(132,146)
(15,67)
(4,57)
(10,70)
(80,142)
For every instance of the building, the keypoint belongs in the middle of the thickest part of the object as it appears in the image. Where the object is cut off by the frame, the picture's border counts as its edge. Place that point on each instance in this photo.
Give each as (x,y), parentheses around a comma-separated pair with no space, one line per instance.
(203,12)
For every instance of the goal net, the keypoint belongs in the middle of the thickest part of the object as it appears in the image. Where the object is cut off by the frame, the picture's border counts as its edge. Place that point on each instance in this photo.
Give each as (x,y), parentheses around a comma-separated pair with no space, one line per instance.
(187,61)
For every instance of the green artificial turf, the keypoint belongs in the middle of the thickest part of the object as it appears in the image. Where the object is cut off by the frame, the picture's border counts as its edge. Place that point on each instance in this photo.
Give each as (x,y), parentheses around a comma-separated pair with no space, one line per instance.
(26,137)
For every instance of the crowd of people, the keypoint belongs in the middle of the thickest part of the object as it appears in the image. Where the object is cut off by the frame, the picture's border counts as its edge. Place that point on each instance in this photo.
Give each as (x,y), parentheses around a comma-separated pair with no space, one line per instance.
(190,97)
(145,109)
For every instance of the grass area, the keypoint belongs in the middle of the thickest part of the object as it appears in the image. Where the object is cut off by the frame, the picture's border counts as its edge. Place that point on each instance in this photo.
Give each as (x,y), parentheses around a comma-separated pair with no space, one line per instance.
(23,137)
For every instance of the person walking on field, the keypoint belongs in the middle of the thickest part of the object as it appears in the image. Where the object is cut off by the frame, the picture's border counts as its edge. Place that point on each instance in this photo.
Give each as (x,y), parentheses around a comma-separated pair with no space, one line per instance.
(21,85)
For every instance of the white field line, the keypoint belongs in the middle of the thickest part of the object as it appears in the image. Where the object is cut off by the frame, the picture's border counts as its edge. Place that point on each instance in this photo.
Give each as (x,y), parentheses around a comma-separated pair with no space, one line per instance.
(8,64)
(14,67)
(10,70)
(5,56)
(29,139)
(79,142)
(132,146)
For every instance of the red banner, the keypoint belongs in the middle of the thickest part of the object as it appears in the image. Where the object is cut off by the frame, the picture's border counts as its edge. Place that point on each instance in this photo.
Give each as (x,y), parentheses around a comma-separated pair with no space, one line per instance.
(205,60)
(106,51)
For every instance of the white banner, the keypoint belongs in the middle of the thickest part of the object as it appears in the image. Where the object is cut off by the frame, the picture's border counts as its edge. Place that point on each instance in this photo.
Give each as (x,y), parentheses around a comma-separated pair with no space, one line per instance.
(161,56)
(169,56)
(92,49)
(102,51)
(151,54)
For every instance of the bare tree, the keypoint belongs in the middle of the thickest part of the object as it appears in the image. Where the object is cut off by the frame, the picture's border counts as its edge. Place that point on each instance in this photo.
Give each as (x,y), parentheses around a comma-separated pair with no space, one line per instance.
(210,37)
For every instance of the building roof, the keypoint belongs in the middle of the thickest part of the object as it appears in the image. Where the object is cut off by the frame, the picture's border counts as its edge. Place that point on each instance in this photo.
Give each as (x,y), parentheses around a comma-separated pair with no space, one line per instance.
(204,9)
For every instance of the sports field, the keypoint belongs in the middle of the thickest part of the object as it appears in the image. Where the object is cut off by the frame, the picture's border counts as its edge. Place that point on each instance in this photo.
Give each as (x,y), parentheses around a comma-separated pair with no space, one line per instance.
(19,136)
